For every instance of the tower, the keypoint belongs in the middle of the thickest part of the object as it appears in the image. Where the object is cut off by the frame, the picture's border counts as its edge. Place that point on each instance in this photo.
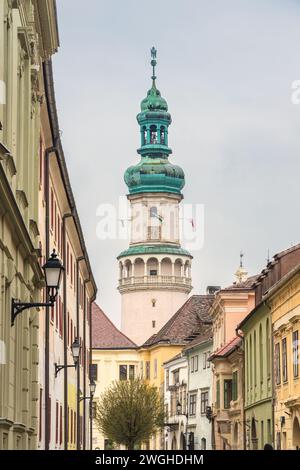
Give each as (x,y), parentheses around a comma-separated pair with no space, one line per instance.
(155,272)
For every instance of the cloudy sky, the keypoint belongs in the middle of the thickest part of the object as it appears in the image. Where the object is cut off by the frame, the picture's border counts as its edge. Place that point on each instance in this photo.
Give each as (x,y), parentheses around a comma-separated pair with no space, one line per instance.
(226,70)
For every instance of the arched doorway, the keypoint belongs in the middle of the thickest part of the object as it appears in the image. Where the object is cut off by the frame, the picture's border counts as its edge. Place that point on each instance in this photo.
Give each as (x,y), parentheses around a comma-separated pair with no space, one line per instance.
(296,433)
(182,442)
(174,443)
(254,438)
(235,436)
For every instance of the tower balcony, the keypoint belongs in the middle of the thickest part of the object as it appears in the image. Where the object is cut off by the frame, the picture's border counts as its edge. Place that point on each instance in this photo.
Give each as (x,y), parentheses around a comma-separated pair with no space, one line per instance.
(155,282)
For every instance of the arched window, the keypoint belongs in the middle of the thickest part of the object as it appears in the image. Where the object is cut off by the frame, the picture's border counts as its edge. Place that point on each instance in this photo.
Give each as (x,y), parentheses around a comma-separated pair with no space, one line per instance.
(250,362)
(261,361)
(153,212)
(203,443)
(144,135)
(153,134)
(254,359)
(162,135)
(268,344)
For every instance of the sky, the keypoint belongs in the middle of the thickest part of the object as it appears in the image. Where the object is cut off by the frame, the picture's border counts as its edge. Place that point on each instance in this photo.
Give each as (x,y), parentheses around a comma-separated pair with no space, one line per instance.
(226,70)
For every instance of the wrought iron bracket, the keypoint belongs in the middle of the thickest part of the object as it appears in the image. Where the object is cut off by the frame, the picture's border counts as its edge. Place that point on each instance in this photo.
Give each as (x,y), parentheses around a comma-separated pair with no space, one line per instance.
(19,307)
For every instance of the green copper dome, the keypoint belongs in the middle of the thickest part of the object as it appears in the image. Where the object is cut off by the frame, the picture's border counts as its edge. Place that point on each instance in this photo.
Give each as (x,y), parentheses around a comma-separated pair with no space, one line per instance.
(154,101)
(154,250)
(154,173)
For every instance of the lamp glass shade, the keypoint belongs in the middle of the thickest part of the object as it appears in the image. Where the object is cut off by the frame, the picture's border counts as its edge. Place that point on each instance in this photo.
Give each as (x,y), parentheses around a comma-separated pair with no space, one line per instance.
(92,388)
(76,350)
(53,271)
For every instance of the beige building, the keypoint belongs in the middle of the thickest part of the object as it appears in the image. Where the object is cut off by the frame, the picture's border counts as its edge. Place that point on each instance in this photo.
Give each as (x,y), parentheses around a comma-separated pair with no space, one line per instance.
(24,45)
(38,214)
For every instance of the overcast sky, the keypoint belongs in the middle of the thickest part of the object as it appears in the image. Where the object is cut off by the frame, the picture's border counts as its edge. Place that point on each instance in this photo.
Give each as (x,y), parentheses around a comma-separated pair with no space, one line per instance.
(226,70)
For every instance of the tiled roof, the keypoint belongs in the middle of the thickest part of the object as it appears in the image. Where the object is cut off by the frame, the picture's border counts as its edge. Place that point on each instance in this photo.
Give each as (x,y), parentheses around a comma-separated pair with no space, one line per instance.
(205,336)
(105,335)
(227,349)
(186,324)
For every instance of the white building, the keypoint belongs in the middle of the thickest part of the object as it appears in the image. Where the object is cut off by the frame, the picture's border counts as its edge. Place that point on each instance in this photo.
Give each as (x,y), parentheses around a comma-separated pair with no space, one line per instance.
(199,389)
(175,399)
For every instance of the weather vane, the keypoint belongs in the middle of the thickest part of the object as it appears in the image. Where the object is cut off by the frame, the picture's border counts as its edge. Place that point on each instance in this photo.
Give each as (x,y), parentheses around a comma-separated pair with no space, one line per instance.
(153,61)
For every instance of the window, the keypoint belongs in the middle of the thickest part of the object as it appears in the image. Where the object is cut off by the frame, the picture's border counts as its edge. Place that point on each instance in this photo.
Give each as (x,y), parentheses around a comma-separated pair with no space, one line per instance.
(176,377)
(56,423)
(204,402)
(147,370)
(218,394)
(295,354)
(60,425)
(207,361)
(261,356)
(204,360)
(94,372)
(203,443)
(284,361)
(192,364)
(41,415)
(196,363)
(123,372)
(153,212)
(52,209)
(277,364)
(155,368)
(227,393)
(193,402)
(153,272)
(268,345)
(167,378)
(235,385)
(131,372)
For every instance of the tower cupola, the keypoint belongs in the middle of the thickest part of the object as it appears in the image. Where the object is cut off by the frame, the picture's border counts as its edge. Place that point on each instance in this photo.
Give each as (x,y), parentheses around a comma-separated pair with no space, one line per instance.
(154,173)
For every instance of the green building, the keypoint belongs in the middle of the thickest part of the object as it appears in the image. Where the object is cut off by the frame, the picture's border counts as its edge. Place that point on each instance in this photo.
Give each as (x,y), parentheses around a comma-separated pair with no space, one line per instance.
(256,328)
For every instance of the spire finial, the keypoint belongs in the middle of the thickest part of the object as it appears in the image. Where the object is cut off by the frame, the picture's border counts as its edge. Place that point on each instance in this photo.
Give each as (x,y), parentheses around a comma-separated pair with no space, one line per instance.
(153,63)
(241,259)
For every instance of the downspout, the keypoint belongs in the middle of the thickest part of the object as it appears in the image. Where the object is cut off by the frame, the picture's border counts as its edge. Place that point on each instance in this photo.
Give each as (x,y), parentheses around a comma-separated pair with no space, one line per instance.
(243,390)
(48,151)
(91,360)
(66,421)
(78,260)
(84,364)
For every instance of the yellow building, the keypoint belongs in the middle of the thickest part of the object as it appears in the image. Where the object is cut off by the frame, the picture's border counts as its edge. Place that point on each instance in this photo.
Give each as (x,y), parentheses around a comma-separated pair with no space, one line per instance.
(116,357)
(284,302)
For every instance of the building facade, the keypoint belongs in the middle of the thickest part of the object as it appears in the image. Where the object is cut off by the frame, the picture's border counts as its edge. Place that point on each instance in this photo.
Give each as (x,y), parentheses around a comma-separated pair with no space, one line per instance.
(284,302)
(199,381)
(260,381)
(38,410)
(176,403)
(230,306)
(155,271)
(64,417)
(28,35)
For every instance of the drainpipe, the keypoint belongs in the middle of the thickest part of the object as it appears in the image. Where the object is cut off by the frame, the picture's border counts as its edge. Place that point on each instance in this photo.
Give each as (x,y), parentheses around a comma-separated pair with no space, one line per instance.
(47,154)
(78,260)
(92,300)
(66,421)
(84,364)
(243,390)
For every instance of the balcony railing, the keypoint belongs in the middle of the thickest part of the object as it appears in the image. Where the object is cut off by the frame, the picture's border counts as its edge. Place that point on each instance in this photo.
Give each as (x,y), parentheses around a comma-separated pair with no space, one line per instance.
(139,280)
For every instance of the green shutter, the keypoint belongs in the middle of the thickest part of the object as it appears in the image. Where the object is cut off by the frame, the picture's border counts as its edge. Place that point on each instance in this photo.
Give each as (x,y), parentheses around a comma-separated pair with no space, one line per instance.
(218,394)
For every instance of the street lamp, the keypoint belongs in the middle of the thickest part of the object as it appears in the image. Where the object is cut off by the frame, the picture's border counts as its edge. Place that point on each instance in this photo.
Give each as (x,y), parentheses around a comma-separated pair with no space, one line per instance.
(76,346)
(53,270)
(92,392)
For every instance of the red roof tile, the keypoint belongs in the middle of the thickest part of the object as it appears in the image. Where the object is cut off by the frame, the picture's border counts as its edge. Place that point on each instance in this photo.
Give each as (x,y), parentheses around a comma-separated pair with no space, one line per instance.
(227,349)
(186,323)
(105,335)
